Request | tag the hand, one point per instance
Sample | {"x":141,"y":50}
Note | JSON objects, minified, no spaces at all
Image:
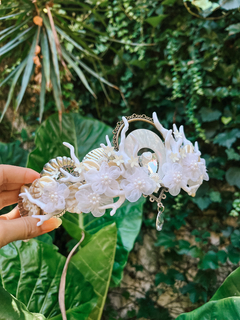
{"x":12,"y":225}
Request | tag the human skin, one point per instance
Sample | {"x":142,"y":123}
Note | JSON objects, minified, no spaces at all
{"x":12,"y":226}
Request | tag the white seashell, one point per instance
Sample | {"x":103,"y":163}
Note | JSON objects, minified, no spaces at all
{"x":97,"y":155}
{"x":90,"y":164}
{"x":146,"y":139}
{"x":52,"y":168}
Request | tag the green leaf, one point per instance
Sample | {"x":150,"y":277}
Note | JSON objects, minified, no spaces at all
{"x":12,"y":309}
{"x":232,"y":155}
{"x":56,"y":90}
{"x":128,"y":219}
{"x":202,"y":202}
{"x":233,"y":176}
{"x":227,"y":138}
{"x":85,"y":134}
{"x":78,"y":71}
{"x":95,"y":261}
{"x":16,"y":41}
{"x":226,"y":120}
{"x":53,"y":49}
{"x":69,"y":39}
{"x":154,"y":21}
{"x":28,"y":70}
{"x":235,"y":238}
{"x":166,"y":240}
{"x":12,"y":153}
{"x":14,"y":81}
{"x":208,"y":114}
{"x":225,"y":304}
{"x":209,"y":261}
{"x":96,"y":75}
{"x":10,"y":16}
{"x":31,"y":272}
{"x":42,"y":96}
{"x":233,"y":29}
{"x":14,"y":29}
{"x":10,"y":75}
{"x":222,"y":256}
{"x":215,"y":196}
{"x":46,"y":57}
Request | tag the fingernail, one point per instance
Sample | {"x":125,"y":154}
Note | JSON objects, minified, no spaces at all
{"x":3,"y":218}
{"x":51,"y":224}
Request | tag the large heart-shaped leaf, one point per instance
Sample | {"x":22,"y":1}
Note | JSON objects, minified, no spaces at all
{"x":31,"y":272}
{"x":12,"y":153}
{"x":128,"y":220}
{"x":12,"y":309}
{"x":225,"y":304}
{"x":85,"y":134}
{"x":95,"y":260}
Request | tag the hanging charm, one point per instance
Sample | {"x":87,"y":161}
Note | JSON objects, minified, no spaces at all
{"x":160,"y":218}
{"x":138,"y":164}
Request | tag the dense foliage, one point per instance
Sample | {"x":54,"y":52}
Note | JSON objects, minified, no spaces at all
{"x":188,"y":71}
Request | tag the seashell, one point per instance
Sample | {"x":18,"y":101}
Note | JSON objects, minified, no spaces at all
{"x":60,"y":214}
{"x":52,"y":168}
{"x":147,"y":140}
{"x":97,"y":155}
{"x":111,"y":163}
{"x":22,"y":206}
{"x":35,"y":189}
{"x":89,"y":164}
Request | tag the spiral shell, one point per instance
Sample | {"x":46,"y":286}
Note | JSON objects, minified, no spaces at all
{"x":52,"y":167}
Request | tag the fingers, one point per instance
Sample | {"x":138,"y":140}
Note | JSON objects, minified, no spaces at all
{"x":25,"y":228}
{"x":8,"y":197}
{"x":10,"y":186}
{"x":14,"y":214}
{"x":17,"y":175}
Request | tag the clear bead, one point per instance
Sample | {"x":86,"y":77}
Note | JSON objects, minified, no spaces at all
{"x":159,"y":221}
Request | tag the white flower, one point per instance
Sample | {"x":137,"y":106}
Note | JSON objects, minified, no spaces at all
{"x":133,"y":162}
{"x":118,"y":160}
{"x":109,"y":151}
{"x":195,"y":167}
{"x":174,"y":157}
{"x":174,"y":177}
{"x":104,"y":180}
{"x":53,"y":197}
{"x":137,"y":182}
{"x":90,"y":201}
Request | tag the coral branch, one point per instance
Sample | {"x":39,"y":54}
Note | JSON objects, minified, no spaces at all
{"x":72,"y":153}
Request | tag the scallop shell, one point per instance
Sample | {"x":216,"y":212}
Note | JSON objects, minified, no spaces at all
{"x":89,"y":164}
{"x":53,"y":165}
{"x":97,"y":155}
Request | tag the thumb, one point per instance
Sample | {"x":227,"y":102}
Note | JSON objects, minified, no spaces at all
{"x":25,"y":228}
